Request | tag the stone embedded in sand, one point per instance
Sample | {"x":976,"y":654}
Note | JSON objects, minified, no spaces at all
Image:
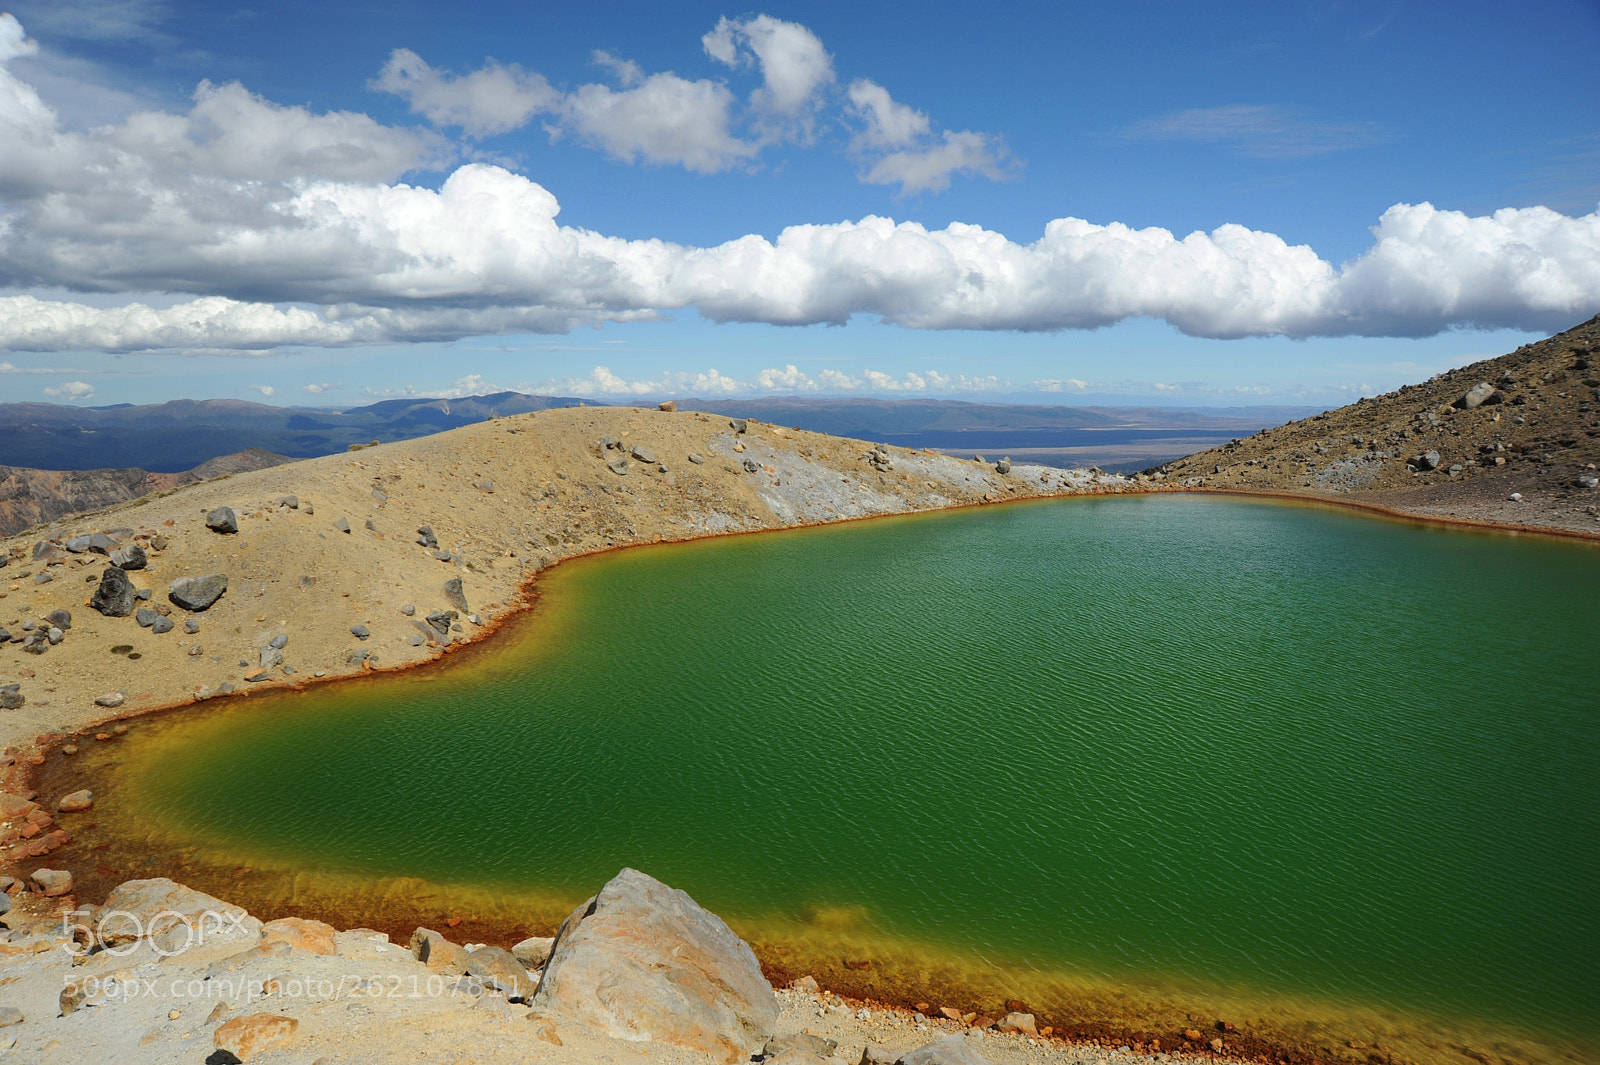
{"x":197,"y":593}
{"x":534,"y":951}
{"x":1476,"y":396}
{"x":114,"y":597}
{"x":52,"y":882}
{"x":11,"y":697}
{"x":805,"y":985}
{"x":301,"y":934}
{"x":343,"y":525}
{"x":500,"y":971}
{"x":222,"y":520}
{"x":668,"y":405}
{"x":145,"y":617}
{"x":440,"y":621}
{"x":455,"y":595}
{"x":15,"y":806}
{"x":951,"y":1050}
{"x":75,"y":802}
{"x":110,"y":700}
{"x":10,"y":1015}
{"x":61,"y":619}
{"x":438,"y":953}
{"x":1019,"y":1024}
{"x":813,"y":1044}
{"x":245,"y":1037}
{"x":170,"y":914}
{"x":643,"y":961}
{"x":547,"y":1030}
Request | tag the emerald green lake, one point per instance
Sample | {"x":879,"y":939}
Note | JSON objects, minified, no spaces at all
{"x":1245,"y":744}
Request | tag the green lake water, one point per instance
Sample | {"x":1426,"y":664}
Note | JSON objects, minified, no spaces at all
{"x":1245,"y":744}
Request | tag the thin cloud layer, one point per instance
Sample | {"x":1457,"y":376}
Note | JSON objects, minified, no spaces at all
{"x":287,"y":227}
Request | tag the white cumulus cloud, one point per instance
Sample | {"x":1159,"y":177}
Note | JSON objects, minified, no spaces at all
{"x":795,"y":68}
{"x":492,"y":99}
{"x":286,"y":227}
{"x":901,"y":147}
{"x":71,"y":390}
{"x":264,"y":390}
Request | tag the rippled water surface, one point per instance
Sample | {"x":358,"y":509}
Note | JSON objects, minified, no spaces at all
{"x":1250,"y":744}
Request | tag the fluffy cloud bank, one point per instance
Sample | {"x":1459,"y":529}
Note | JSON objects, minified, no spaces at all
{"x":288,"y":228}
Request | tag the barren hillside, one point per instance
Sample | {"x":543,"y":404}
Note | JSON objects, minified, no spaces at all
{"x":1513,"y":439}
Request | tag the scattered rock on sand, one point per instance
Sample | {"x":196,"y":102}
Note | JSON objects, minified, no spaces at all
{"x":360,"y":632}
{"x":343,"y":525}
{"x":1019,"y":1024}
{"x":641,"y":959}
{"x":222,"y":520}
{"x":245,"y":1037}
{"x":314,"y":937}
{"x":1428,"y":460}
{"x":668,"y":405}
{"x":130,"y":557}
{"x":455,"y":595}
{"x":76,"y":802}
{"x":1476,"y":396}
{"x":110,"y":699}
{"x":52,"y":883}
{"x":198,"y":593}
{"x":10,"y":1015}
{"x":114,"y":597}
{"x":145,"y":617}
{"x":438,"y":953}
{"x":951,"y":1050}
{"x":11,"y":697}
{"x":500,"y":971}
{"x":440,"y":621}
{"x":61,"y":619}
{"x":534,"y":951}
{"x":160,"y":625}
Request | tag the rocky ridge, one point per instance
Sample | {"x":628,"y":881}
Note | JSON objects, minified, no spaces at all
{"x":1512,"y":440}
{"x":31,"y":497}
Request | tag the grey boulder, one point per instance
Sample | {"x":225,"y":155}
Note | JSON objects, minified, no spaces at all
{"x":197,"y":593}
{"x":115,"y":596}
{"x":643,"y":454}
{"x":222,"y":520}
{"x":1428,"y":460}
{"x":1476,"y":396}
{"x":643,"y":961}
{"x":500,"y":971}
{"x":130,"y":557}
{"x":951,"y":1050}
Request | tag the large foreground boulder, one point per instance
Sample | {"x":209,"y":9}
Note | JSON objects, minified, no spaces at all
{"x":642,"y":961}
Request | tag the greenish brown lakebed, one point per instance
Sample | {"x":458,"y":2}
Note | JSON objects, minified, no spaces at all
{"x":1130,"y":759}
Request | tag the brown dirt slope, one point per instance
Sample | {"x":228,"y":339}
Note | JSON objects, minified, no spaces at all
{"x":1537,"y":435}
{"x":31,"y":497}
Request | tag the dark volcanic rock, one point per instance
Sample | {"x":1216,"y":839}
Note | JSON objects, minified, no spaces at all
{"x":114,"y":597}
{"x":61,"y":619}
{"x":440,"y":621}
{"x":145,"y":617}
{"x":197,"y":593}
{"x":130,"y":557}
{"x":454,"y":595}
{"x":222,"y":520}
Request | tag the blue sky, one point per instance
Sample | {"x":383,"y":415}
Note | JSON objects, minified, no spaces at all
{"x":222,"y":200}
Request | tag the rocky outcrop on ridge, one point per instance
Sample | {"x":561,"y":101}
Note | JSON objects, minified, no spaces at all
{"x":1513,"y":439}
{"x":30,"y":497}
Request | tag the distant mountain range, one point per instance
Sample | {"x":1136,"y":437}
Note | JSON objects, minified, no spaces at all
{"x":177,"y":436}
{"x":60,"y":460}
